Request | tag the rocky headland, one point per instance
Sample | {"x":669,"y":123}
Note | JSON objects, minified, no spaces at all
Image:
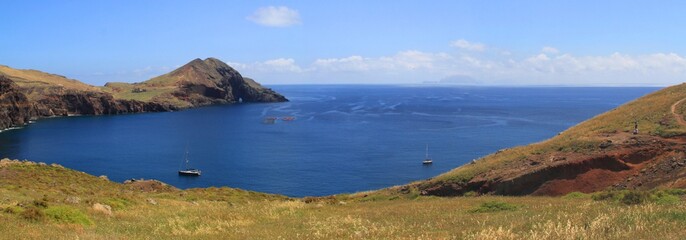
{"x":29,"y":94}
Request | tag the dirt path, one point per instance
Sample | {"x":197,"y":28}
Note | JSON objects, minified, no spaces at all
{"x":678,"y":117}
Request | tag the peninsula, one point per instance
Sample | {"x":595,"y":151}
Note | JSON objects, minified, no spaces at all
{"x":30,"y":94}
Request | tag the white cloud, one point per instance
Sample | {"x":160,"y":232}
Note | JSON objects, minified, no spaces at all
{"x":272,"y":16}
{"x":280,"y":65}
{"x":283,"y":65}
{"x":413,"y":66}
{"x":411,"y":60}
{"x":550,"y":50}
{"x":464,"y":44}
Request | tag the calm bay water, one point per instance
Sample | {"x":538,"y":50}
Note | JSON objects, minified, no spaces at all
{"x":344,"y":138}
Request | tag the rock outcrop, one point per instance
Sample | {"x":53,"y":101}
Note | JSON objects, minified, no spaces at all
{"x":211,"y":81}
{"x":15,"y":108}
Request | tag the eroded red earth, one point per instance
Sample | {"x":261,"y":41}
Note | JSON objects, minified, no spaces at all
{"x":629,"y":162}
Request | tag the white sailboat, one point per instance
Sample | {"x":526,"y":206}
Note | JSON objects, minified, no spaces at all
{"x":187,"y":170}
{"x":427,"y":159}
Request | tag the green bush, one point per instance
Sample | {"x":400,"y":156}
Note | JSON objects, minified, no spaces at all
{"x":675,"y":191}
{"x":665,"y":197}
{"x":13,"y":209}
{"x":634,"y":197}
{"x":118,"y":203}
{"x":470,"y":194}
{"x":494,"y":206}
{"x":678,"y":216}
{"x":67,"y":214}
{"x":575,"y":195}
{"x":601,"y":196}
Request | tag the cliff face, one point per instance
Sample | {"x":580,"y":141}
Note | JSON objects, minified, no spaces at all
{"x":92,"y":103}
{"x":15,"y":109}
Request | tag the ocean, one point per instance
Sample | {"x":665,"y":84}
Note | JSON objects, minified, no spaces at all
{"x":328,"y":139}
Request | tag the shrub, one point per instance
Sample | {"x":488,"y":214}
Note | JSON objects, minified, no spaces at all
{"x":118,"y":203}
{"x":33,"y":214}
{"x":600,"y":196}
{"x":494,"y":206}
{"x":67,"y":214}
{"x":678,"y":216}
{"x":470,"y":194}
{"x":575,"y":195}
{"x":675,"y":191}
{"x":40,"y":203}
{"x":664,"y":197}
{"x":13,"y":209}
{"x":634,"y":197}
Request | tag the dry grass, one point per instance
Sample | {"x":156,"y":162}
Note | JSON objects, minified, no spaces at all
{"x":126,"y":91}
{"x":224,"y":213}
{"x":26,"y":78}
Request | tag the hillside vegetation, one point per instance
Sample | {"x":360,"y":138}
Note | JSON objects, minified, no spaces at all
{"x":583,"y":154}
{"x":49,"y":201}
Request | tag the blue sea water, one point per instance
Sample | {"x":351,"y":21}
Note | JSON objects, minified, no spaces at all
{"x":345,"y":138}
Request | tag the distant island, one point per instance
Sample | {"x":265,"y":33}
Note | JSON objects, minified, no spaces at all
{"x":30,"y":94}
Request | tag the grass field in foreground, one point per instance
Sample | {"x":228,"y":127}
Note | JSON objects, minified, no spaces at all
{"x":40,"y":201}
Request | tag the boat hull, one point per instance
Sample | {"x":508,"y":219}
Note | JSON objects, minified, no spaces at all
{"x":189,"y":173}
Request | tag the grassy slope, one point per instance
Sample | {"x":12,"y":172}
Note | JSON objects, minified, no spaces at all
{"x":158,"y":89}
{"x":26,"y":77}
{"x":649,"y":110}
{"x":40,"y":82}
{"x":235,"y":214}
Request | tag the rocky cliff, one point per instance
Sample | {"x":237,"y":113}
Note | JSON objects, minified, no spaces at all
{"x":92,"y":103}
{"x":15,"y":109}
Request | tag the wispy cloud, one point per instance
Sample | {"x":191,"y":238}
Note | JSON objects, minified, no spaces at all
{"x":464,"y":44}
{"x":272,"y":16}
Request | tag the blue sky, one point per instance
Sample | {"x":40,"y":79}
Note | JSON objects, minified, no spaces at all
{"x":283,"y":42}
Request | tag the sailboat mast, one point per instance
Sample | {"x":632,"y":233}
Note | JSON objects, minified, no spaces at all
{"x":427,"y":151}
{"x":186,"y":159}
